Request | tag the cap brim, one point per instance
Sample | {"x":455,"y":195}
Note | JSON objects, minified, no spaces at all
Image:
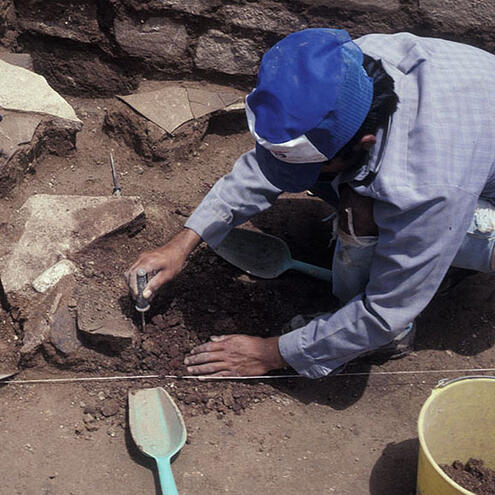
{"x":289,"y":177}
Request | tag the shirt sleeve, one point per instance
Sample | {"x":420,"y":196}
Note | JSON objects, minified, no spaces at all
{"x":417,"y":242}
{"x":233,"y":200}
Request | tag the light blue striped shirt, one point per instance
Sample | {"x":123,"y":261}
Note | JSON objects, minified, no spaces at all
{"x":425,"y":173}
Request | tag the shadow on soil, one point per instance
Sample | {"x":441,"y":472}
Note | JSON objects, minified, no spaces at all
{"x":460,"y":320}
{"x":336,"y":391}
{"x":395,"y":471}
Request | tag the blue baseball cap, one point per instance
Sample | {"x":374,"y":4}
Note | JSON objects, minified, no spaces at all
{"x":311,"y":97}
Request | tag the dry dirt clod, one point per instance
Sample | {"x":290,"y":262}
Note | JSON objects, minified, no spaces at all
{"x":110,"y":408}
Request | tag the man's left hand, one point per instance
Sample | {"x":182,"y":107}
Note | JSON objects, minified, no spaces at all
{"x":235,"y":355}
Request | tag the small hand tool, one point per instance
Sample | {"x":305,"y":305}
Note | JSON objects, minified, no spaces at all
{"x":158,"y":429}
{"x":117,"y":191}
{"x":142,"y":304}
{"x":264,"y":255}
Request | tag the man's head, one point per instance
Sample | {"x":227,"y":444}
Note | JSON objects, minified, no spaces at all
{"x":312,"y":97}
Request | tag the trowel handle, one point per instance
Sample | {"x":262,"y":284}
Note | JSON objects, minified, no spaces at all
{"x":167,"y":481}
{"x":312,"y":270}
{"x":142,"y":304}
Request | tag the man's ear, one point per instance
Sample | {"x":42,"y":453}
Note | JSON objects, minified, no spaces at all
{"x":367,"y":141}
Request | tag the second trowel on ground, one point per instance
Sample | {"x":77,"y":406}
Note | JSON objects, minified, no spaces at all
{"x":158,"y":429}
{"x":264,"y":255}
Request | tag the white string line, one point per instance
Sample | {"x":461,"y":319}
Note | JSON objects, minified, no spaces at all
{"x":211,"y":378}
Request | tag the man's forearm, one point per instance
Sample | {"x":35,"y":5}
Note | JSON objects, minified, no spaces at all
{"x":233,"y":200}
{"x":187,"y":240}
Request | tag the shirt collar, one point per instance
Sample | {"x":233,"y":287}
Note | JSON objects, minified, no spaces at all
{"x":366,"y":172}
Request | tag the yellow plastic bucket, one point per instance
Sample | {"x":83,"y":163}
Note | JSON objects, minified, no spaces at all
{"x":455,"y":423}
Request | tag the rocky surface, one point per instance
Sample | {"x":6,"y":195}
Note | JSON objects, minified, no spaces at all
{"x":20,"y":59}
{"x":111,"y":44}
{"x":217,"y":51}
{"x":148,"y":139}
{"x":156,"y":40}
{"x":35,"y":120}
{"x":8,"y":21}
{"x":115,"y":333}
{"x":461,"y":15}
{"x":50,"y":277}
{"x":58,"y":226}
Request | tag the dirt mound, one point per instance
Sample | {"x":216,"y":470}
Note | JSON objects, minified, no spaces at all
{"x":473,"y":476}
{"x":209,"y":297}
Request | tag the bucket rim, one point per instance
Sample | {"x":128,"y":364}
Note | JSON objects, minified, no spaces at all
{"x":442,"y":386}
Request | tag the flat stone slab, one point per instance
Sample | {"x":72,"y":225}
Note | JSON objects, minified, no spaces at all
{"x":171,"y":106}
{"x":114,"y":331}
{"x":26,"y":91}
{"x":168,"y":107}
{"x":63,"y":332}
{"x":23,"y":60}
{"x":111,"y":334}
{"x":16,"y":129}
{"x":57,"y":226}
{"x":36,"y":332}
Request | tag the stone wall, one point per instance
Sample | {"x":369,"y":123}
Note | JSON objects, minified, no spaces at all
{"x":7,"y":22}
{"x":103,"y":47}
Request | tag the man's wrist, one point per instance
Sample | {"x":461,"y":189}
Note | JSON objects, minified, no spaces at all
{"x":185,"y":241}
{"x":277,"y":361}
{"x":190,"y":239}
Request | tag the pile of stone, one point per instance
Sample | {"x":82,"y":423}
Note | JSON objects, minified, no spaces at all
{"x":35,"y":120}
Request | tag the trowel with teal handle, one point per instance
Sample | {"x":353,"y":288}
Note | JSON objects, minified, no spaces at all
{"x":264,"y":255}
{"x":158,"y":430}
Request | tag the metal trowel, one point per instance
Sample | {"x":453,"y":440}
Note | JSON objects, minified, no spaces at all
{"x":264,"y":255}
{"x":158,"y":430}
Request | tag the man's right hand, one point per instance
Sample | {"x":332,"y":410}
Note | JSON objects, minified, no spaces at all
{"x":162,"y":264}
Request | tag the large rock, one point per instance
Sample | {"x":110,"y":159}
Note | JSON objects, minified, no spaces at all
{"x":36,"y":120}
{"x":157,"y":40}
{"x":87,"y":72}
{"x":37,"y":314}
{"x":167,"y":121}
{"x":8,"y":22}
{"x":148,"y":139}
{"x":469,"y":14}
{"x":58,"y":226}
{"x":356,"y":4}
{"x":16,"y":129}
{"x":25,"y":137}
{"x":172,"y":105}
{"x":219,"y":52}
{"x":25,"y":91}
{"x":113,"y":333}
{"x":197,"y":7}
{"x":276,"y":19}
{"x":69,"y":20}
{"x":47,"y":321}
{"x":63,"y":331}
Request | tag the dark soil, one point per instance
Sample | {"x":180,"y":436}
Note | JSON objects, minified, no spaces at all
{"x":210,"y":297}
{"x":472,"y":476}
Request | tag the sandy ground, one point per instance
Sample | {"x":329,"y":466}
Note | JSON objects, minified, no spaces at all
{"x":344,"y":434}
{"x":289,"y":444}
